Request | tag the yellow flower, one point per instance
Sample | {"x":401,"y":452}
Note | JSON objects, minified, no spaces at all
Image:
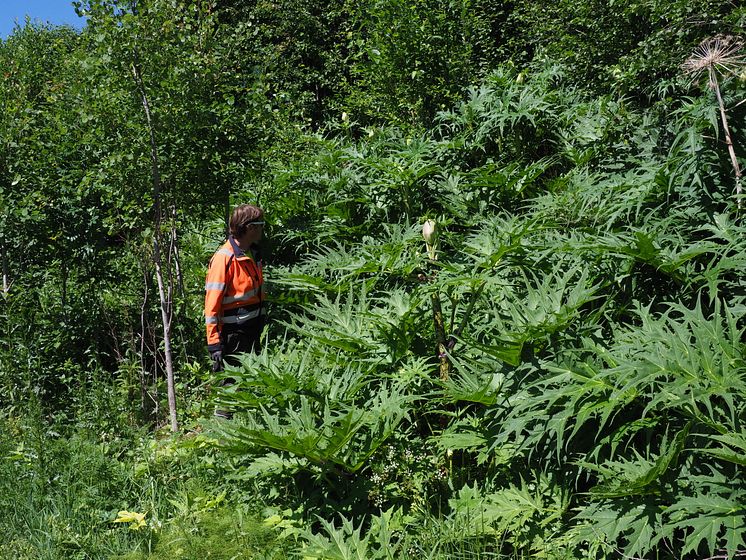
{"x":135,"y":519}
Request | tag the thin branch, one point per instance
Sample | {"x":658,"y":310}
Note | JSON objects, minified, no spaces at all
{"x":143,"y":311}
{"x":157,"y":218}
{"x":738,"y":554}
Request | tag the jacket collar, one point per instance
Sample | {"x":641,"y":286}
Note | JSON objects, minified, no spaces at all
{"x":236,"y":249}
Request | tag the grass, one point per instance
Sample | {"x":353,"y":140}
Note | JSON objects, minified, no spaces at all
{"x":61,"y":491}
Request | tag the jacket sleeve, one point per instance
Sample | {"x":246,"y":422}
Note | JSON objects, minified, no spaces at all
{"x":214,"y":289}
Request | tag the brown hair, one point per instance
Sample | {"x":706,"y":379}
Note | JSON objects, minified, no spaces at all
{"x":242,"y":216}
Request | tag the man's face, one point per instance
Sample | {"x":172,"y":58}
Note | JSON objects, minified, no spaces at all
{"x":254,"y":232}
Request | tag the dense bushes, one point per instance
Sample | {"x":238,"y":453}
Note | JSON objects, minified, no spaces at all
{"x":565,"y":379}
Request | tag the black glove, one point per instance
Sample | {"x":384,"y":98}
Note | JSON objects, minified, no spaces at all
{"x":217,"y":360}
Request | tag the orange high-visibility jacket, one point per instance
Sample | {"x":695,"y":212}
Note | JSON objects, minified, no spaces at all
{"x":233,"y":291}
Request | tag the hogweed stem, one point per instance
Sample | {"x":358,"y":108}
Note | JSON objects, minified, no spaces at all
{"x":430,"y":235}
{"x":719,"y":54}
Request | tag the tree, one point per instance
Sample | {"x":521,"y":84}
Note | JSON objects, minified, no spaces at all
{"x":140,"y":61}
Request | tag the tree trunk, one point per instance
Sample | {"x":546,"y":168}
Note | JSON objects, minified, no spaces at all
{"x":144,"y":395}
{"x":157,"y":216}
{"x":64,"y":273}
{"x":6,"y":274}
{"x":165,"y":317}
{"x":227,"y":211}
{"x":174,"y":252}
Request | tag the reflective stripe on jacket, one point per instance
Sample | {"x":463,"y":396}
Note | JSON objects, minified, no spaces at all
{"x":233,"y":291}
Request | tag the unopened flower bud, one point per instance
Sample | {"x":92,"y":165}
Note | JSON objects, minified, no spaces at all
{"x":428,"y":231}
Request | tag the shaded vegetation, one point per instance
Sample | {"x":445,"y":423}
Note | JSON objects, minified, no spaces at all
{"x":558,"y":373}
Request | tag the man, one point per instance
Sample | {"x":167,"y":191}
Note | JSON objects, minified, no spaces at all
{"x":234,"y":315}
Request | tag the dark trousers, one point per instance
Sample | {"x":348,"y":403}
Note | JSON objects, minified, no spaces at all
{"x":240,"y":339}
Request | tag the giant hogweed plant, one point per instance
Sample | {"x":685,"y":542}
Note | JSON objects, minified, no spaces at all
{"x":389,"y":257}
{"x":351,"y":188}
{"x":479,"y":525}
{"x":493,"y":151}
{"x":720,"y":57}
{"x":577,"y":406}
{"x":307,"y":429}
{"x":506,"y":116}
{"x":567,"y":358}
{"x":649,"y":423}
{"x":722,"y":275}
{"x":369,"y":341}
{"x":314,"y":405}
{"x":590,"y":415}
{"x":323,"y":402}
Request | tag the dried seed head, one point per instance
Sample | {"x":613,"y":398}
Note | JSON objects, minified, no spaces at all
{"x":721,"y":53}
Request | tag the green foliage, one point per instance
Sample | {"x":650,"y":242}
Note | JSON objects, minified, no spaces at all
{"x":58,"y":493}
{"x":63,"y":488}
{"x":523,"y":514}
{"x":315,"y":407}
{"x":295,"y":53}
{"x":585,"y":396}
{"x":408,"y":59}
{"x":631,"y":47}
{"x":202,"y":529}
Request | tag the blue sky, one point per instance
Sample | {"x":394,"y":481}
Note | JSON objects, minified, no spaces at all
{"x":58,"y":12}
